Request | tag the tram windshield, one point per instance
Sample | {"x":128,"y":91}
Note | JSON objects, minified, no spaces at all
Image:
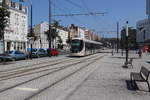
{"x":76,"y":46}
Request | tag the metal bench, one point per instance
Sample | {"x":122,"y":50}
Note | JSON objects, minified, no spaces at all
{"x":142,"y":76}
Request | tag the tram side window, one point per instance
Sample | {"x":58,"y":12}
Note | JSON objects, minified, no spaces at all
{"x":87,"y":46}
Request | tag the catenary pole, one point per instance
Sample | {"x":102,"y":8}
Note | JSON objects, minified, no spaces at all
{"x":49,"y":24}
{"x":117,"y":36}
{"x":127,"y":42}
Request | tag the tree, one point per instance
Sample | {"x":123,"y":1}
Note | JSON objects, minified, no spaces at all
{"x":32,"y":34}
{"x":4,"y":17}
{"x":131,"y":37}
{"x":59,"y":40}
{"x":53,"y":33}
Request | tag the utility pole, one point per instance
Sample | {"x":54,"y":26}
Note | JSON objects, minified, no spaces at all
{"x":30,"y":37}
{"x":122,"y":45}
{"x":49,"y":31}
{"x":117,"y":36}
{"x":126,"y":63}
{"x":31,"y":30}
{"x":49,"y":24}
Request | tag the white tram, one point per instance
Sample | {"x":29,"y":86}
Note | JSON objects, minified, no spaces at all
{"x":83,"y":47}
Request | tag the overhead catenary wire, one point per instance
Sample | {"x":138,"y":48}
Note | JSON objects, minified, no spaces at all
{"x":74,"y":4}
{"x":82,"y":14}
{"x":68,"y":10}
{"x":82,"y":7}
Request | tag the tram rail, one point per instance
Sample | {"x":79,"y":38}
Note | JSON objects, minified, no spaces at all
{"x":52,"y":72}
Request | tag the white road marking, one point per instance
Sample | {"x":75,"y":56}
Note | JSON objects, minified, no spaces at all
{"x":26,"y":89}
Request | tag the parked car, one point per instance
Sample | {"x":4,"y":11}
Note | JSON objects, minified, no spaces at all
{"x":54,"y":52}
{"x":13,"y":55}
{"x":39,"y":53}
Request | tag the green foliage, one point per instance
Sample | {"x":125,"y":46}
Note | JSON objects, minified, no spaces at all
{"x":53,"y":32}
{"x":59,"y":39}
{"x":32,"y":34}
{"x":131,"y":37}
{"x":4,"y":16}
{"x":68,"y":40}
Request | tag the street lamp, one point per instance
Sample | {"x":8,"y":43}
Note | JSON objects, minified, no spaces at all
{"x":127,"y":34}
{"x":49,"y":24}
{"x":117,"y":36}
{"x":112,"y":44}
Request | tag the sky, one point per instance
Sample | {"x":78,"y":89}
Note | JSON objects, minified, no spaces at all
{"x":117,"y":10}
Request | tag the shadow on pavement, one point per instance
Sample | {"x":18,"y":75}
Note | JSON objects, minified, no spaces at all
{"x":130,"y":87}
{"x":148,"y":62}
{"x":125,"y":57}
{"x":6,"y":63}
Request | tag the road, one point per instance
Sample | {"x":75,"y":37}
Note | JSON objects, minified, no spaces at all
{"x":45,"y":78}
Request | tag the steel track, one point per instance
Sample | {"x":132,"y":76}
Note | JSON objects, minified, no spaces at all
{"x":62,"y":68}
{"x":20,"y":73}
{"x":16,"y":68}
{"x":63,"y":78}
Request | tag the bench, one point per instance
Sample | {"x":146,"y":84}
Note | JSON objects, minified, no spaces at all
{"x":142,"y":76}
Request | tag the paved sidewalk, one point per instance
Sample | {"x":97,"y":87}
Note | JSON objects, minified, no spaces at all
{"x":109,"y":81}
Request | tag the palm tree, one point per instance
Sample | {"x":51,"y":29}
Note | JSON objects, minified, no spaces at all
{"x":53,"y":33}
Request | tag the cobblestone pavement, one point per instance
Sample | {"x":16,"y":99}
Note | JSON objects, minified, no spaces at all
{"x":110,"y":80}
{"x":22,"y":91}
{"x":105,"y":79}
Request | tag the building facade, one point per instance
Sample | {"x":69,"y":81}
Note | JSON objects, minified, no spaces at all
{"x":142,"y":31}
{"x":41,"y":41}
{"x":76,"y":31}
{"x":143,"y":26}
{"x":63,"y":33}
{"x":15,"y":35}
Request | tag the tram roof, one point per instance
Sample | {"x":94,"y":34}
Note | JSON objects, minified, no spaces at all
{"x":90,"y":41}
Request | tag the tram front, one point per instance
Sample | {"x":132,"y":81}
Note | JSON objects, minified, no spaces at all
{"x":77,"y":46}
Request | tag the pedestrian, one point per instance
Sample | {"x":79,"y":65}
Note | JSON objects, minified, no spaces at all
{"x":140,"y":53}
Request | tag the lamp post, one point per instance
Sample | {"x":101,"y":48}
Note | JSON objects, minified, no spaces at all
{"x":50,"y":24}
{"x":117,"y":36}
{"x":122,"y":45}
{"x":112,"y":52}
{"x":127,"y":33}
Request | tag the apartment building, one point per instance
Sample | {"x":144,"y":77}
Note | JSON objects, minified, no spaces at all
{"x":15,"y":35}
{"x":42,"y":41}
{"x":39,"y":31}
{"x":63,"y":32}
{"x":143,"y":27}
{"x":142,"y":32}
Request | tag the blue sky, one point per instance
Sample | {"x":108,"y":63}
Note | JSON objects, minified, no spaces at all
{"x":118,"y":10}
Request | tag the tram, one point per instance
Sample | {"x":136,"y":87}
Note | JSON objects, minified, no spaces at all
{"x":84,"y":47}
